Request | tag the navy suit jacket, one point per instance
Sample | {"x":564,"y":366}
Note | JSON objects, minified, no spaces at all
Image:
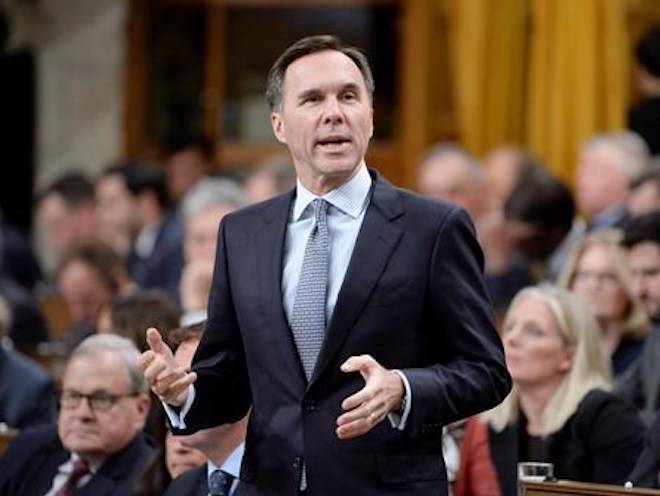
{"x":27,"y":393}
{"x":193,"y":482}
{"x":413,"y":297}
{"x":162,"y":269}
{"x":31,"y":463}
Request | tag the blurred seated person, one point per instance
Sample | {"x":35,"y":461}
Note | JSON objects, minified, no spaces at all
{"x":559,"y":410}
{"x":18,"y":260}
{"x":503,"y":167}
{"x":189,"y":159}
{"x":448,"y":172}
{"x":202,"y":209}
{"x":97,"y":447}
{"x":87,"y":278}
{"x":128,"y":315}
{"x":644,"y":196}
{"x":597,"y":272}
{"x":643,"y":118}
{"x":270,"y":177}
{"x":606,"y":165}
{"x":156,"y":257}
{"x":209,"y":458}
{"x":27,"y":394}
{"x":66,"y":215}
{"x":640,"y":384}
{"x":28,"y":325}
{"x":540,"y":219}
{"x":115,"y":208}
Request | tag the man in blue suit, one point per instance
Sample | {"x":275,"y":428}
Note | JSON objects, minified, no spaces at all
{"x":97,"y":447}
{"x":350,"y":314}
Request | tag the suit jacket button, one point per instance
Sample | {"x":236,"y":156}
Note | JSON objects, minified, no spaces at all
{"x":309,"y":406}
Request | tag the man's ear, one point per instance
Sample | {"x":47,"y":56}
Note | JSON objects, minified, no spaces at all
{"x":278,"y":126}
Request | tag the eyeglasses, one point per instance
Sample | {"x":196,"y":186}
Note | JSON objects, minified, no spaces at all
{"x":70,"y":400}
{"x":602,"y":278}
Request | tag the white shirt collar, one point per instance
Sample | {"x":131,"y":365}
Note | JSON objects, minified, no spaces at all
{"x":350,"y":197}
{"x":232,"y":465}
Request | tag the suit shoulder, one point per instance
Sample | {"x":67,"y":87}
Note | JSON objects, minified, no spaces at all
{"x":187,"y":482}
{"x":261,"y":210}
{"x":24,"y":368}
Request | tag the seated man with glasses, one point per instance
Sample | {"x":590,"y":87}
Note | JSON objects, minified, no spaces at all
{"x":97,"y":447}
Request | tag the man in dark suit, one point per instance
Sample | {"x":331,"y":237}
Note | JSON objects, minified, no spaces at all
{"x":27,"y":393}
{"x":97,"y":448}
{"x":222,"y":445}
{"x":350,"y":314}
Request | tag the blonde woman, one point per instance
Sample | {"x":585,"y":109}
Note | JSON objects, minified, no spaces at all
{"x":559,"y":410}
{"x":598,"y":273}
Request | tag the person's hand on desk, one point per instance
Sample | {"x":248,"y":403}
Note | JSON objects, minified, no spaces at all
{"x":381,"y":395}
{"x":167,"y":379}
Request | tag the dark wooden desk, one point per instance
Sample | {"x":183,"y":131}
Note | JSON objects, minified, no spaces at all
{"x":570,"y":488}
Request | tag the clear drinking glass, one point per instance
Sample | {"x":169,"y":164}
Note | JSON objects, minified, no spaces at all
{"x":533,"y":472}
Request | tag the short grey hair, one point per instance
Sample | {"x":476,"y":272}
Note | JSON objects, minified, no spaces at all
{"x":628,"y":151}
{"x":451,"y":150}
{"x":212,"y":191}
{"x":124,"y":348}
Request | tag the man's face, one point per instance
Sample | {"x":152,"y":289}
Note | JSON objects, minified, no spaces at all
{"x":644,"y":261}
{"x":115,"y":208}
{"x":92,"y":433}
{"x":326,"y":119}
{"x":599,"y":183}
{"x":644,"y":199}
{"x":57,"y":221}
{"x":201,"y":233}
{"x":184,"y":169}
{"x":83,"y":291}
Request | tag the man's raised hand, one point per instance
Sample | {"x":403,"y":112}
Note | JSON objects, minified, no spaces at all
{"x":167,"y":379}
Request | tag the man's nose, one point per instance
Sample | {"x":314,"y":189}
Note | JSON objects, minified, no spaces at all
{"x":332,"y":113}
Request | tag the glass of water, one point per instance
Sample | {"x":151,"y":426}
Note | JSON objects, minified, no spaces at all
{"x":533,"y":472}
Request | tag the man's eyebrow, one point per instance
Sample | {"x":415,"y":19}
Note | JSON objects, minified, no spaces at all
{"x":308,"y":93}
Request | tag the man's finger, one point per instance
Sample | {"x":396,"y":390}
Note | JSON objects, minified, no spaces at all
{"x":366,"y":411}
{"x":358,"y":427}
{"x":176,"y":394}
{"x":363,"y":395}
{"x":154,"y":369}
{"x":361,"y":363}
{"x":145,"y":359}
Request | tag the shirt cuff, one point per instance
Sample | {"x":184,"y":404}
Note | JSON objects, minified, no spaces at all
{"x":398,"y":421}
{"x":177,"y":418}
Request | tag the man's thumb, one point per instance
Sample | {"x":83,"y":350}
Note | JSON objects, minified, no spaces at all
{"x":155,"y":341}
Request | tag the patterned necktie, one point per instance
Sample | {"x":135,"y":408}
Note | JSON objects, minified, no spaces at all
{"x":220,"y":483}
{"x":80,"y":469}
{"x":308,"y":319}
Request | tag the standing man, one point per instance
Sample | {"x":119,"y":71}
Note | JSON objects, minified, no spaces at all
{"x":350,"y":314}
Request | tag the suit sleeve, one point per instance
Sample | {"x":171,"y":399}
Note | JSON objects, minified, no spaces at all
{"x":222,"y":387}
{"x":470,"y":374}
{"x":613,"y":434}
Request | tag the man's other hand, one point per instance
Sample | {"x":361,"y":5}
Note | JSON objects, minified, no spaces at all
{"x":382,"y":394}
{"x":167,"y":379}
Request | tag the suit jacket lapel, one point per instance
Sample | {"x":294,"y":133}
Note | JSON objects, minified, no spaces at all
{"x":376,"y":241}
{"x":270,"y":259}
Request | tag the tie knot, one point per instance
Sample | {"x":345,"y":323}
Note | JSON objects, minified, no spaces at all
{"x":320,"y":210}
{"x":220,"y":483}
{"x":80,"y":468}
